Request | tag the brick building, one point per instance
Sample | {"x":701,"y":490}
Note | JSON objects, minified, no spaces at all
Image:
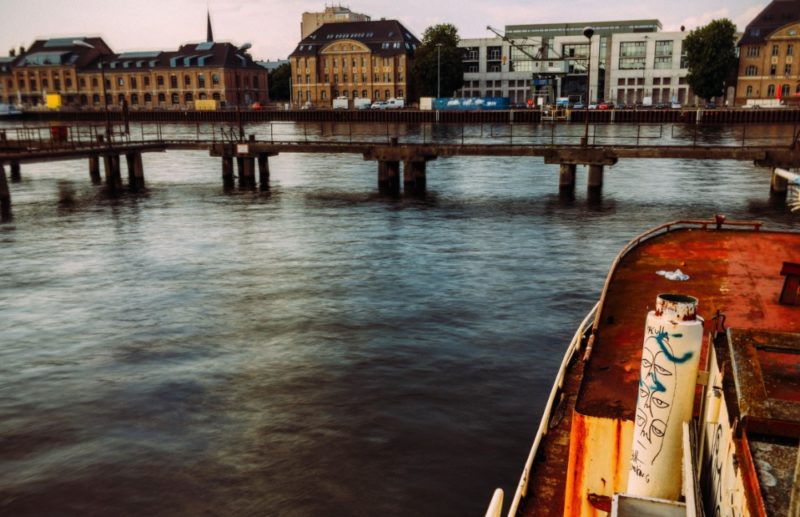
{"x":769,"y":68}
{"x":74,"y":68}
{"x":353,"y":59}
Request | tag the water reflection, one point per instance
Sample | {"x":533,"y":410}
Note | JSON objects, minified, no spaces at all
{"x":317,"y":348}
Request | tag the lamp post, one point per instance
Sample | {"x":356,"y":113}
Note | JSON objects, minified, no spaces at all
{"x":438,"y":69}
{"x":86,"y":44}
{"x":588,"y":32}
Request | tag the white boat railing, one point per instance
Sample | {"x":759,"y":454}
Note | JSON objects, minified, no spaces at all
{"x":574,"y":346}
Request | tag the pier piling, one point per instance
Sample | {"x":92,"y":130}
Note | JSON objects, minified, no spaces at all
{"x":94,"y":170}
{"x":113,"y":178}
{"x":566,"y":179}
{"x":5,"y":196}
{"x":247,"y":177}
{"x":135,"y":171}
{"x":414,"y":177}
{"x":389,"y":177}
{"x":263,"y":171}
{"x":595,"y":178}
{"x":16,"y":177}
{"x":227,"y":171}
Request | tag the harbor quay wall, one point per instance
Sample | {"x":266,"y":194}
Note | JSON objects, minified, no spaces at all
{"x":686,"y":116}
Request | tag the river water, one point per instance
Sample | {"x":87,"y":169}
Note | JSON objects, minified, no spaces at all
{"x":312,"y":350}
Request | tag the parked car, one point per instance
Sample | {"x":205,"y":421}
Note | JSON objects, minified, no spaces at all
{"x":579,"y":106}
{"x":593,"y":106}
{"x":378,"y":105}
{"x":675,"y":105}
{"x":605,"y":105}
{"x":711,"y":105}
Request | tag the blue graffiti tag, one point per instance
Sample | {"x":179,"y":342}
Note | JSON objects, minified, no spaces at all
{"x":660,"y":337}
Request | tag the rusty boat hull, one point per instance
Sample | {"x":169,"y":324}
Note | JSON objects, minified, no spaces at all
{"x":741,"y":445}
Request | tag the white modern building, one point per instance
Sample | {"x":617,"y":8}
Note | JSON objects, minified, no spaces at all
{"x":638,"y":65}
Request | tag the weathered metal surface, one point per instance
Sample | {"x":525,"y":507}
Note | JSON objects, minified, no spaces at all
{"x":766,"y":373}
{"x":722,"y":265}
{"x":599,"y":461}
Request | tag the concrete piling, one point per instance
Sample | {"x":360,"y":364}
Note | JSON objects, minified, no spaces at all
{"x":414,"y":177}
{"x":94,"y":170}
{"x":389,"y":177}
{"x":246,"y":166}
{"x":595,"y":178}
{"x":566,"y":179}
{"x":113,"y":178}
{"x":227,"y":171}
{"x":135,"y":171}
{"x":263,"y":171}
{"x":16,"y":177}
{"x":5,"y":196}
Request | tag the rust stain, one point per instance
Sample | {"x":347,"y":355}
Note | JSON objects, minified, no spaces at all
{"x":575,"y":473}
{"x":600,"y":502}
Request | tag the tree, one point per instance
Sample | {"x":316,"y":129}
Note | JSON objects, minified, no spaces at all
{"x":279,"y":83}
{"x":438,"y":64}
{"x":711,"y":57}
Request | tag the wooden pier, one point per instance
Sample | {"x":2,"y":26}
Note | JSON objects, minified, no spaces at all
{"x":251,"y":155}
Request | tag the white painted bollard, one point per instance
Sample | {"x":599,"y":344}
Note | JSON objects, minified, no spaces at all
{"x":670,"y":360}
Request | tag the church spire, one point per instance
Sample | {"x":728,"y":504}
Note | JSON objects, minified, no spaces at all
{"x":209,"y":34}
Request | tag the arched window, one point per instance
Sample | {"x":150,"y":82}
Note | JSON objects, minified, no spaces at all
{"x":363,"y":93}
{"x":785,"y":90}
{"x":797,"y":90}
{"x":187,"y":97}
{"x":95,"y":99}
{"x":749,"y":91}
{"x":148,"y":98}
{"x":771,"y":91}
{"x":121,"y":98}
{"x":215,"y":96}
{"x":84,"y":100}
{"x":176,"y":99}
{"x":134,"y":99}
{"x":355,"y":93}
{"x":162,"y":98}
{"x":377,"y":94}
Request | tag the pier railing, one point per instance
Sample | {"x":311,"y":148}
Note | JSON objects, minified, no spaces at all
{"x":541,"y":134}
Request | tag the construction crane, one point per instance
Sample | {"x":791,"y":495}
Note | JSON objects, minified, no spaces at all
{"x":543,"y":54}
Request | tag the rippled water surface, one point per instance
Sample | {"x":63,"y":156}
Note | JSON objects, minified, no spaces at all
{"x":312,"y":350}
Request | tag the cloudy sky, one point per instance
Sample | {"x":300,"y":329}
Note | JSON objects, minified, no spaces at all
{"x":273,"y":26}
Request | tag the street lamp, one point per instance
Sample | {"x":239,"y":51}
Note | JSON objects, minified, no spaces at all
{"x":588,"y":32}
{"x":86,"y":44}
{"x":438,"y":69}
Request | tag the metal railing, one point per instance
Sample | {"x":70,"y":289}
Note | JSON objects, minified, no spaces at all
{"x":60,"y":136}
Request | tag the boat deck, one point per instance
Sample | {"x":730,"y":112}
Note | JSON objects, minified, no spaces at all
{"x":729,"y":270}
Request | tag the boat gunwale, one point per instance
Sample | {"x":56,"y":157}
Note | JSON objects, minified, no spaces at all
{"x":719,"y":222}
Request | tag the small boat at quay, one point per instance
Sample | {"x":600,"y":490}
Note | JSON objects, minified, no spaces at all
{"x":679,"y":394}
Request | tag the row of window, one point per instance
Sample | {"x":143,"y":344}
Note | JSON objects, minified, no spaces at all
{"x":335,"y":62}
{"x":386,"y":77}
{"x":752,"y":70}
{"x":785,"y":90}
{"x":776,"y":50}
{"x":133,"y":82}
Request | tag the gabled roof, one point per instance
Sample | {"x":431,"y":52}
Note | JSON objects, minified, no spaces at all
{"x":775,"y":15}
{"x":63,"y":52}
{"x":383,"y":37}
{"x":205,"y":54}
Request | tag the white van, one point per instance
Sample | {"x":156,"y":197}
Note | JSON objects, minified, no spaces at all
{"x":340,"y":103}
{"x":395,"y":103}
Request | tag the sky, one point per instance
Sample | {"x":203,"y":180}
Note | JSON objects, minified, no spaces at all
{"x":273,"y":26}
